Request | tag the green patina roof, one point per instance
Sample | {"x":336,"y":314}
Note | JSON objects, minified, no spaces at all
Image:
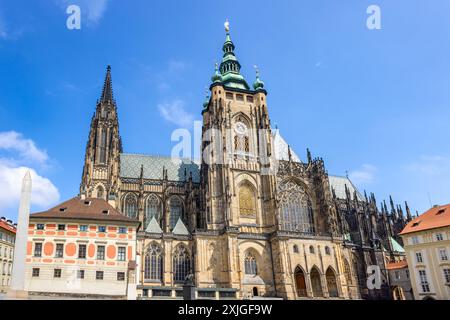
{"x":130,"y":167}
{"x":230,"y":67}
{"x":396,"y":246}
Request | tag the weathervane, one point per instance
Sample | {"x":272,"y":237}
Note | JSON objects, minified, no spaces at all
{"x":227,"y":25}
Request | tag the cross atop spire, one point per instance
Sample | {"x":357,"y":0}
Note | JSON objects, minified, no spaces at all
{"x":107,"y":92}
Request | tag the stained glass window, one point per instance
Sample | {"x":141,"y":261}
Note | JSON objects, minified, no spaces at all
{"x":295,"y":208}
{"x":181,"y":264}
{"x":153,"y":263}
{"x":176,"y":211}
{"x":130,"y":207}
{"x":153,"y":209}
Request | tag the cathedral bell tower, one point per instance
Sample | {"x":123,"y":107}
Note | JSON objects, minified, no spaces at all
{"x":101,"y":164}
{"x":236,"y":147}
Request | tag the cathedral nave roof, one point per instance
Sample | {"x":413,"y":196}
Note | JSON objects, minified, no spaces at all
{"x":130,"y":167}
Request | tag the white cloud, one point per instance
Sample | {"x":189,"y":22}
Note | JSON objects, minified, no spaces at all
{"x":363,"y":176}
{"x":43,"y":194}
{"x":175,"y":112}
{"x":26,"y":148}
{"x":430,"y":166}
{"x":92,"y":10}
{"x":17,"y":156}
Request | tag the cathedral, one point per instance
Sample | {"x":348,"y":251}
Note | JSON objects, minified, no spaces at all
{"x":250,"y":218}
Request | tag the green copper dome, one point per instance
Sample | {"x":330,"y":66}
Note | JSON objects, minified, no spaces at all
{"x":217,"y":77}
{"x":258,"y":84}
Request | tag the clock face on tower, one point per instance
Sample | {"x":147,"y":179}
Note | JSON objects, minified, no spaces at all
{"x":240,"y":128}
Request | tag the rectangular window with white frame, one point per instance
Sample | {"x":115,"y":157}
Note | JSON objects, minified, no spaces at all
{"x":439,"y":237}
{"x":38,"y":249}
{"x":419,"y":257}
{"x":447,"y":276}
{"x":424,"y":281}
{"x":121,"y":253}
{"x":443,"y":254}
{"x":59,"y":253}
{"x":82,"y":251}
{"x":100,"y":252}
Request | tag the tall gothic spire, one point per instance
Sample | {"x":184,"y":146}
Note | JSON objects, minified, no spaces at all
{"x":107,"y":92}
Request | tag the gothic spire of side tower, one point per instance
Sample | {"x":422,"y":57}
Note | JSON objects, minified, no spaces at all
{"x":101,"y":164}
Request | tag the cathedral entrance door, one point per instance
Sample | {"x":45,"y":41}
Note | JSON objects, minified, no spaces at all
{"x":331,"y":284}
{"x":316,"y":283}
{"x":300,"y":282}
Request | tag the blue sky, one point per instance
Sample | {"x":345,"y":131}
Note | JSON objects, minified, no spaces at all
{"x":374,"y":103}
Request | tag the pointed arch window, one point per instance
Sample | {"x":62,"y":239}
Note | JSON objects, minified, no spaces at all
{"x":241,"y":135}
{"x":103,"y":146}
{"x":153,"y":209}
{"x":250,"y":264}
{"x":181,"y":264}
{"x":241,"y":144}
{"x":100,"y":192}
{"x":176,"y":211}
{"x":130,"y":206}
{"x":247,"y":204}
{"x":153,"y":263}
{"x":296,"y":212}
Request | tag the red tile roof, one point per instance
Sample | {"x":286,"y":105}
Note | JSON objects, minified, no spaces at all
{"x":436,"y":217}
{"x":89,"y":209}
{"x":397,"y":265}
{"x":6,"y":226}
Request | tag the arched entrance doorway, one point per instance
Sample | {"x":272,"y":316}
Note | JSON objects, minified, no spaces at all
{"x":397,"y":293}
{"x":331,"y":283}
{"x":300,"y":282}
{"x":316,"y":283}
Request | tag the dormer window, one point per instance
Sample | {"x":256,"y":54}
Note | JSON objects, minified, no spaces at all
{"x":63,"y":209}
{"x":106,"y":212}
{"x":87,"y":203}
{"x":415,"y":224}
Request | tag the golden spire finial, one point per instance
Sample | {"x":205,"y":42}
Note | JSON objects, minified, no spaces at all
{"x":227,"y":25}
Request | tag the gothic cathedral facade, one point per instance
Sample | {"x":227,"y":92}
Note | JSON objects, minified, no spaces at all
{"x":249,"y":219}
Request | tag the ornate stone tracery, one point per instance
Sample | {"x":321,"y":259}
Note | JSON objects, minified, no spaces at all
{"x":296,"y":213}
